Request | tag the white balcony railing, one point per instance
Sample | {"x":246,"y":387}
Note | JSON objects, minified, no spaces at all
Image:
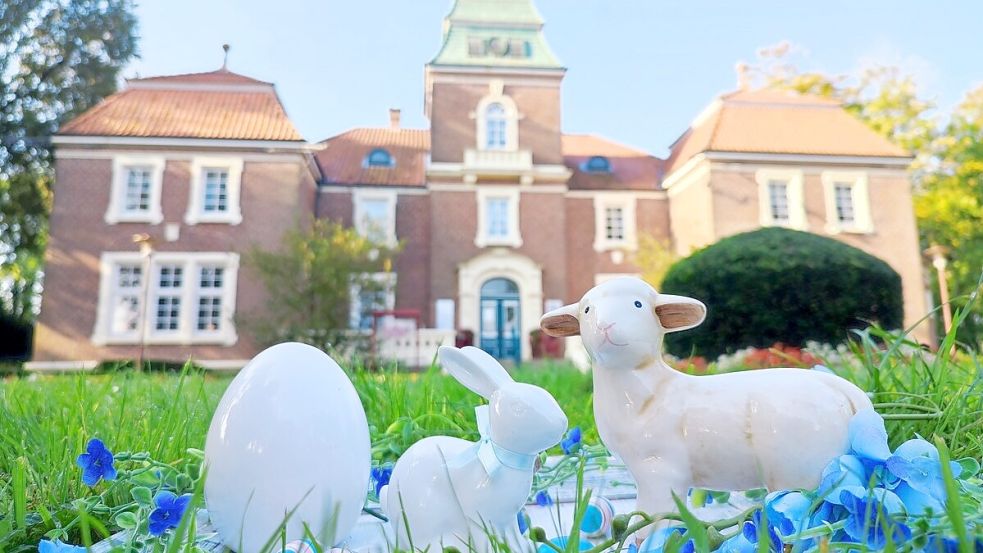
{"x":497,"y":160}
{"x":415,"y":348}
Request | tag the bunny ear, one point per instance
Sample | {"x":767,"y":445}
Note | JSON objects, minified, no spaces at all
{"x":476,"y":370}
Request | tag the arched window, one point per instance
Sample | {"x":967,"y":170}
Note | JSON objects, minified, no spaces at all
{"x":496,"y":127}
{"x":597,"y":164}
{"x":379,"y":157}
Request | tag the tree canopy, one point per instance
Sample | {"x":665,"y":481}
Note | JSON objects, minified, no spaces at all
{"x":310,"y":280}
{"x":57,"y":59}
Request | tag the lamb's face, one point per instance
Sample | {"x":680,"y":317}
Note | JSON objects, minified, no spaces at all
{"x":622,"y":321}
{"x":618,"y":323}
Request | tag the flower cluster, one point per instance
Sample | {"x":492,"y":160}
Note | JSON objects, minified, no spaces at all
{"x":868,"y":496}
{"x":154,"y":508}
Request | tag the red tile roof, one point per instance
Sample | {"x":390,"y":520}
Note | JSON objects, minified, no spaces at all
{"x":779,"y":121}
{"x":631,"y":169}
{"x":342,"y":161}
{"x":216,"y":105}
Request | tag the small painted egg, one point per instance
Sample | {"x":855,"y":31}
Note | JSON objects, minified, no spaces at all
{"x":597,"y":518}
{"x":288,"y":441}
{"x":561,"y":542}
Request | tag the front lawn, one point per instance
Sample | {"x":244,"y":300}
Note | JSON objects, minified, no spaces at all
{"x":45,"y":420}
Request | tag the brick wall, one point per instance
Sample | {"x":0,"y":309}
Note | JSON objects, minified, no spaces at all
{"x":453,"y":125}
{"x":275,"y":196}
{"x":584,"y":263}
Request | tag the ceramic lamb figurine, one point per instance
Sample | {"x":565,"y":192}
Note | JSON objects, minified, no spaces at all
{"x":775,"y":428}
{"x":452,"y":492}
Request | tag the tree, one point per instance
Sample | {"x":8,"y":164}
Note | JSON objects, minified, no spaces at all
{"x":950,"y":206}
{"x":57,"y":59}
{"x":309,"y":282}
{"x":780,"y":285}
{"x":654,"y":257}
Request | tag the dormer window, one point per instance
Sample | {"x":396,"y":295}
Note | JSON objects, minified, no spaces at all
{"x":597,"y":164}
{"x":496,"y":126}
{"x":379,"y":157}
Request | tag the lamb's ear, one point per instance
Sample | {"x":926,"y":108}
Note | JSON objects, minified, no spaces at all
{"x":476,"y":370}
{"x":561,"y":321}
{"x":679,"y":312}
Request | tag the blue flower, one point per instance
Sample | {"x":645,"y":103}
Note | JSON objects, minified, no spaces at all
{"x":571,"y":442}
{"x":737,"y":544}
{"x":941,"y":544}
{"x":381,"y":476}
{"x":170,"y":509}
{"x":788,"y":512}
{"x":751,"y":529}
{"x":916,"y":464}
{"x":657,"y":540}
{"x":57,"y":546}
{"x":841,"y":472}
{"x":870,"y":516}
{"x":96,"y":463}
{"x":522,"y":518}
{"x":543,"y":499}
{"x":868,"y":438}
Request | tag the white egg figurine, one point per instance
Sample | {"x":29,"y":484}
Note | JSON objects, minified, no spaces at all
{"x":289,"y":435}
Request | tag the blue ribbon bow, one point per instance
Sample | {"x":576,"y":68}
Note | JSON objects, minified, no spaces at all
{"x":494,"y":456}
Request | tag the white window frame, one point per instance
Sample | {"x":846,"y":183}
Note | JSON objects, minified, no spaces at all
{"x":388,"y":196}
{"x":860,"y":194}
{"x":511,"y":122}
{"x":187,"y":333}
{"x":625,"y":201}
{"x":796,"y":199}
{"x":196,"y":213}
{"x":388,"y":280}
{"x":116,"y":212}
{"x":514,"y":237}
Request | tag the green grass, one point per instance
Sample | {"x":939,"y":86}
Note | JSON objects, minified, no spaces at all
{"x":46,"y":420}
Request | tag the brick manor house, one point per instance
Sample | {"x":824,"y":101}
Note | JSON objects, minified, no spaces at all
{"x":503,"y":215}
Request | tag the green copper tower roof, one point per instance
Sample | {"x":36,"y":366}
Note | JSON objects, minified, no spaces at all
{"x":495,"y":33}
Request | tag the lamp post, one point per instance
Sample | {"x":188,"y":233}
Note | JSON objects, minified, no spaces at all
{"x":146,"y":244}
{"x":937,"y":254}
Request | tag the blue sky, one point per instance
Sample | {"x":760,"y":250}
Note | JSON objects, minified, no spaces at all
{"x":639,"y":70}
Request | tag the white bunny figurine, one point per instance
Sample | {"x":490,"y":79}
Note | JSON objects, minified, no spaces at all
{"x":450,"y":492}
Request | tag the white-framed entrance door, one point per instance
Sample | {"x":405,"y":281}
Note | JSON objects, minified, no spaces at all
{"x":500,"y":299}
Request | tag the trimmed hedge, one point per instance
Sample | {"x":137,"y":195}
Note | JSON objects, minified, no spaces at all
{"x":779,"y":285}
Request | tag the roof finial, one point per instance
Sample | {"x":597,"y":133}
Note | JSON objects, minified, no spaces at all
{"x":225,"y":59}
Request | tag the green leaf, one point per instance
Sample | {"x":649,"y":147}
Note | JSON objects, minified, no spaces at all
{"x":696,"y":529}
{"x":969,"y":467}
{"x":143,"y":496}
{"x":953,"y":505}
{"x":126,"y":520}
{"x":196,"y":453}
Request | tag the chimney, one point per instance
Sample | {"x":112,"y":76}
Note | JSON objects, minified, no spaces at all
{"x":393,"y":118}
{"x":743,"y":76}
